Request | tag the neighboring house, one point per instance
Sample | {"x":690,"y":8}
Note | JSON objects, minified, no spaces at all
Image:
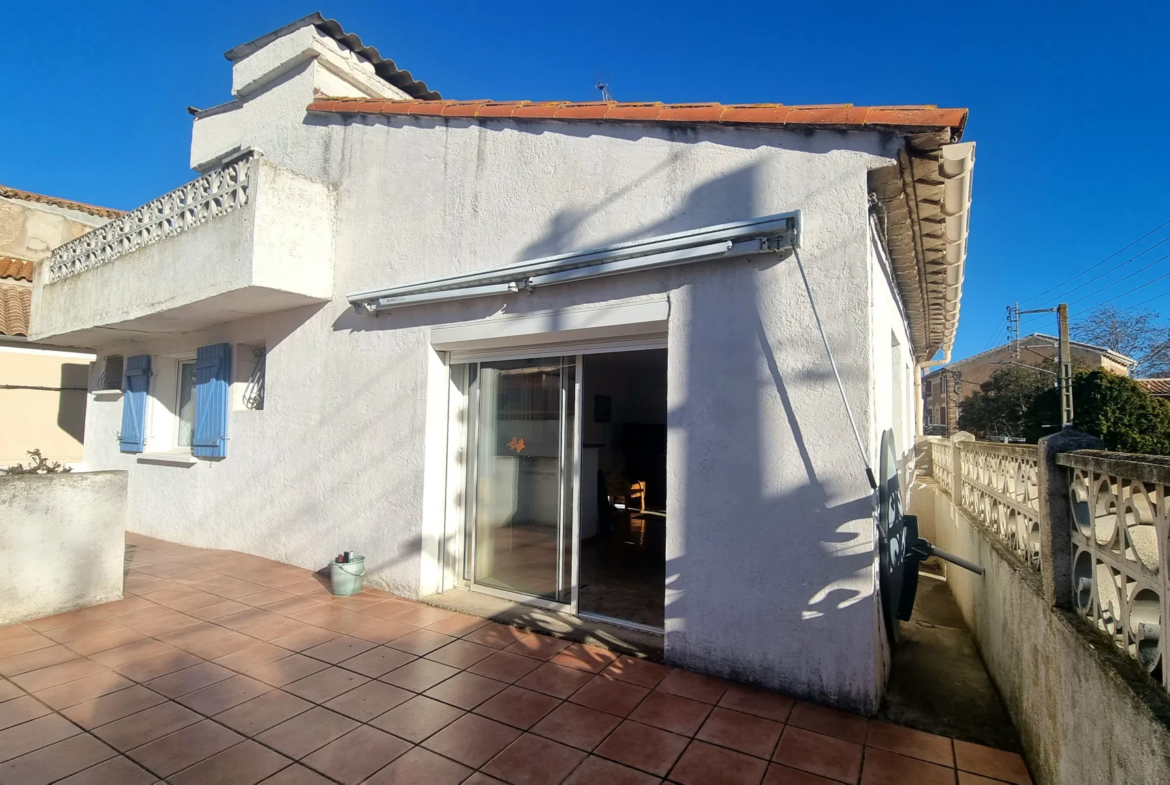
{"x":42,"y":386}
{"x":1159,"y":388}
{"x":944,"y":390}
{"x":559,"y":353}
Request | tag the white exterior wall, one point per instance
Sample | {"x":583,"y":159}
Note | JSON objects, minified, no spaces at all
{"x":770,"y":538}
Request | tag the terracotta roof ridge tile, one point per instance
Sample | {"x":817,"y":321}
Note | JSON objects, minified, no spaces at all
{"x":16,"y":269}
{"x":81,"y":207}
{"x":913,"y":118}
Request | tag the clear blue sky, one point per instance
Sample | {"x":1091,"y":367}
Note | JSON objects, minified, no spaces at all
{"x":1069,"y":100}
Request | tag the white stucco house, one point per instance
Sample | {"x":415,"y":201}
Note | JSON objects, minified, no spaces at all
{"x":558,"y":353}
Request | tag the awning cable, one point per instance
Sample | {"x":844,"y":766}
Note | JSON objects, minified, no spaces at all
{"x":836,"y":374}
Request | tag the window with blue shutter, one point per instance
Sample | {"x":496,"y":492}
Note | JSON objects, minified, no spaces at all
{"x":212,"y":379}
{"x":133,"y":435}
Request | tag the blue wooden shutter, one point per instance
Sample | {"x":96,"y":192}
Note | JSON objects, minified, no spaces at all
{"x":133,"y":436}
{"x":212,"y":379}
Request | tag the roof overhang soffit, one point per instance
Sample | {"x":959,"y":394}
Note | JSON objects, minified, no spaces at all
{"x":924,"y":204}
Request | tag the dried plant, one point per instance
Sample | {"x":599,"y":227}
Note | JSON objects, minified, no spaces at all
{"x":38,"y":464}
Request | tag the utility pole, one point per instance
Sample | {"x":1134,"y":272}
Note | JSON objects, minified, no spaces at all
{"x":1066,"y":396}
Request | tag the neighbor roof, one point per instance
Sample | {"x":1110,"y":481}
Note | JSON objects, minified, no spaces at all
{"x":1037,"y":339}
{"x":17,"y":269}
{"x":28,"y":196}
{"x":15,"y":306}
{"x":911,"y":119}
{"x":385,"y":69}
{"x":1155,"y":386}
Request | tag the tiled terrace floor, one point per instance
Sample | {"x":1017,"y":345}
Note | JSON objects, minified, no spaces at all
{"x":199,"y":676}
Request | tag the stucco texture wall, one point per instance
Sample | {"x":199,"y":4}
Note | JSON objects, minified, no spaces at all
{"x":770,"y":536}
{"x":50,"y":420}
{"x":1082,"y":712}
{"x":63,"y":542}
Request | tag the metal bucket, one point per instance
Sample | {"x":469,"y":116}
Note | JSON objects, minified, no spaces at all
{"x":345,"y":578}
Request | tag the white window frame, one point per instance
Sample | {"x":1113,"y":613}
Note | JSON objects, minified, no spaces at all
{"x":162,"y":434}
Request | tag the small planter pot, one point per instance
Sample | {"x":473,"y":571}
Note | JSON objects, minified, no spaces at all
{"x":345,"y":578}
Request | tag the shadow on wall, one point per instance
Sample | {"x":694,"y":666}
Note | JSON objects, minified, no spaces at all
{"x":72,"y":400}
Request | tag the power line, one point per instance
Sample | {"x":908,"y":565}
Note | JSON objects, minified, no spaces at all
{"x":1131,"y":291}
{"x":1114,"y":269}
{"x":1119,"y":280}
{"x":1098,"y":264}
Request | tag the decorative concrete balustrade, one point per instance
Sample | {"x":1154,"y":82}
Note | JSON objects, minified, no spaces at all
{"x":214,"y":194}
{"x":1097,"y":530}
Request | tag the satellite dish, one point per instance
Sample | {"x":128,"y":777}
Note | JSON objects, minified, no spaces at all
{"x":900,"y":549}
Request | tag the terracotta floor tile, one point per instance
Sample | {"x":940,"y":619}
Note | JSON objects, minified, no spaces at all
{"x":419,"y":675}
{"x":326,"y":685}
{"x":36,"y":660}
{"x":13,"y":631}
{"x":377,"y":661}
{"x":220,"y":645}
{"x":124,"y":605}
{"x":761,"y":703}
{"x":472,"y":740}
{"x":159,"y":665}
{"x":424,"y":617}
{"x":190,"y":602}
{"x":705,"y":763}
{"x":162,"y":625}
{"x":829,"y":721}
{"x":498,"y":636}
{"x":142,"y":614}
{"x":296,"y":775}
{"x":421,"y":767}
{"x":287,"y":670}
{"x":292,"y":606}
{"x":304,"y":638}
{"x":276,"y":627}
{"x":87,"y":647}
{"x":223,"y":695}
{"x":24,"y":644}
{"x":671,"y":712}
{"x":599,"y":771}
{"x":356,"y":755}
{"x":356,"y":602}
{"x":637,"y":671}
{"x":685,"y":684}
{"x":534,"y":760}
{"x":189,"y":679}
{"x":457,"y":625}
{"x":56,"y":761}
{"x":82,"y":690}
{"x":585,"y":658}
{"x":217,"y":610}
{"x":554,"y":680}
{"x":420,"y":642}
{"x":518,"y":707}
{"x":817,"y":753}
{"x":114,"y":706}
{"x":417,"y":718}
{"x":59,"y":620}
{"x":743,"y":732}
{"x":609,"y":695}
{"x":643,"y":747}
{"x":465,"y":690}
{"x":889,"y":768}
{"x":83,"y":629}
{"x":266,"y":597}
{"x":8,"y":690}
{"x":377,"y":630}
{"x":967,"y":778}
{"x":141,"y":649}
{"x":338,"y":649}
{"x":244,"y":764}
{"x":914,"y":743}
{"x":538,"y":647}
{"x":997,"y":764}
{"x":306,"y":733}
{"x":577,"y":726}
{"x":369,"y":700}
{"x":252,"y":657}
{"x":146,"y":726}
{"x":192,"y":633}
{"x":461,"y":654}
{"x":479,"y":778}
{"x":783,"y":775}
{"x":260,"y":714}
{"x":28,"y":736}
{"x":115,"y":771}
{"x":506,"y":667}
{"x":44,"y":678}
{"x":170,"y":754}
{"x":390,"y":609}
{"x":22,"y":709}
{"x":242,"y":620}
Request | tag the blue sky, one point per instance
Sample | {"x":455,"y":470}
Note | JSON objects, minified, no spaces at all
{"x":1069,"y":101}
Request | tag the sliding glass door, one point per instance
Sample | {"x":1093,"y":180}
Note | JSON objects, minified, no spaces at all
{"x":521,"y":478}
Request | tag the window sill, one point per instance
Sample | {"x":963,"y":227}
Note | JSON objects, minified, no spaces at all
{"x":169,"y":458}
{"x":106,"y":394}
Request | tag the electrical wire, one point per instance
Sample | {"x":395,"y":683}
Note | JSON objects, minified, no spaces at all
{"x":1123,"y":278}
{"x":1098,"y":264}
{"x":1131,"y":291}
{"x":1112,"y":270}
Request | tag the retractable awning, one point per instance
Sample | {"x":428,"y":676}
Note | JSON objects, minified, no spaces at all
{"x":770,"y":234}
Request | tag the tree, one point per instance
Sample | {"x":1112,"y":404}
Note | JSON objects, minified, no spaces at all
{"x":999,"y":406}
{"x":1141,"y":335}
{"x":1114,"y":408}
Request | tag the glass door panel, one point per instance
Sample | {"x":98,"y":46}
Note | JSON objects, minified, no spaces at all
{"x":521,"y":431}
